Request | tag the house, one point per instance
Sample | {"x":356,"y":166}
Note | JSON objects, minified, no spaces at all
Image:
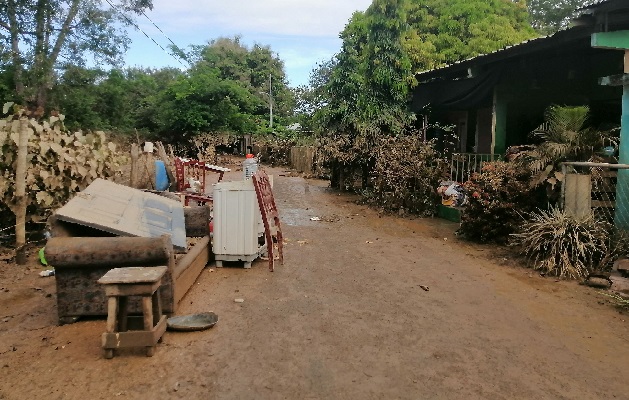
{"x":495,"y":100}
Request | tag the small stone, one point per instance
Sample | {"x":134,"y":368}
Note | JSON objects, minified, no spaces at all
{"x":239,"y":300}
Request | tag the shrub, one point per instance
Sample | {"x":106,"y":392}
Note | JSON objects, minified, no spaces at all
{"x":567,"y":246}
{"x":407,"y":172}
{"x":498,"y":196}
{"x":59,"y":163}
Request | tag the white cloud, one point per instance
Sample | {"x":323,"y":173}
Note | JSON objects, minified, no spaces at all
{"x":320,"y":18}
{"x":302,"y":33}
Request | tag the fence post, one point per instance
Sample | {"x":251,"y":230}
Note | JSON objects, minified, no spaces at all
{"x":20,"y":192}
{"x":562,"y":199}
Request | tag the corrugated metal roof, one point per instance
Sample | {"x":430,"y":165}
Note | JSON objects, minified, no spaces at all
{"x":486,"y":54}
{"x":541,"y":39}
{"x":126,"y":211}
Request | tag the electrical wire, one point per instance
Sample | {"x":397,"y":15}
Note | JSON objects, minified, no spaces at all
{"x":159,"y":29}
{"x":146,"y":34}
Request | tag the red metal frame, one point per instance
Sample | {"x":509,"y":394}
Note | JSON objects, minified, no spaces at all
{"x":196,"y":169}
{"x":270,"y":216}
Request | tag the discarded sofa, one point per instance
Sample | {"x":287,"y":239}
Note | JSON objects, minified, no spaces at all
{"x":109,"y":225}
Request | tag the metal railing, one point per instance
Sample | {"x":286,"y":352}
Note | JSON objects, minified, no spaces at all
{"x":598,"y":188}
{"x":463,"y":165}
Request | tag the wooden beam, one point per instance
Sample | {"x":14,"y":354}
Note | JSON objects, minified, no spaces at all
{"x":618,"y":40}
{"x":614,"y":80}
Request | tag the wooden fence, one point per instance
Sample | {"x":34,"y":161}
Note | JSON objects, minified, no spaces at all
{"x":302,"y":159}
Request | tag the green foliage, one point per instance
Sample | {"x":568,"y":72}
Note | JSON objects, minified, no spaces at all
{"x":443,"y":32}
{"x":407,"y":171}
{"x":368,"y":90}
{"x":549,"y":16}
{"x":60,"y":163}
{"x":567,"y":246}
{"x":567,"y":138}
{"x":42,"y":33}
{"x":498,"y":196}
{"x":120,"y":100}
{"x":227,"y":90}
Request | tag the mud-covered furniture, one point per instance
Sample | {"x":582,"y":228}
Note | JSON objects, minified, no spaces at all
{"x":79,"y":262}
{"x":121,"y":284}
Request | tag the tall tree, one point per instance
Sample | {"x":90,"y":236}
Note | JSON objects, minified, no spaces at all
{"x":40,"y":35}
{"x":369,"y":87}
{"x":443,"y":32}
{"x":549,"y":16}
{"x":227,"y":90}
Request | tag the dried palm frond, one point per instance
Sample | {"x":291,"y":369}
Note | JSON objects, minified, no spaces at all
{"x":564,"y":245}
{"x":618,"y":300}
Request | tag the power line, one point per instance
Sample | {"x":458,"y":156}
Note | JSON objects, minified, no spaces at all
{"x":159,"y":29}
{"x":130,"y":21}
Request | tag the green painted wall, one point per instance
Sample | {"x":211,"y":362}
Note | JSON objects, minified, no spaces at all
{"x":611,"y":40}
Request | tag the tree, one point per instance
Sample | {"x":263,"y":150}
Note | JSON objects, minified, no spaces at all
{"x":40,"y":35}
{"x":227,"y":90}
{"x":368,"y":92}
{"x":550,"y":16}
{"x":443,"y":32}
{"x":76,"y":95}
{"x":312,"y":97}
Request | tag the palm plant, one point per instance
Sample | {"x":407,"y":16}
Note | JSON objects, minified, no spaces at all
{"x":565,"y":138}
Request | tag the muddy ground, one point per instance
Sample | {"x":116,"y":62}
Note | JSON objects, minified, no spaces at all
{"x":345,"y":317}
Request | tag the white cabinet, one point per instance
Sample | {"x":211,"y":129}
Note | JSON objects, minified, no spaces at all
{"x":237,"y":222}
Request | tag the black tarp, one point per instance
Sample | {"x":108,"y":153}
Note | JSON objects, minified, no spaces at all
{"x":459,"y":94}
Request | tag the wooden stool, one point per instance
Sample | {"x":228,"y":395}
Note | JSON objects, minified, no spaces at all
{"x":120,"y":283}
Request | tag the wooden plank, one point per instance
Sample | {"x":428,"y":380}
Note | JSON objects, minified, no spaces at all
{"x":132,"y":275}
{"x":128,"y":339}
{"x":603,"y":204}
{"x":135,"y":289}
{"x":598,"y":187}
{"x":197,"y":220}
{"x":189,"y":268}
{"x":614,"y":80}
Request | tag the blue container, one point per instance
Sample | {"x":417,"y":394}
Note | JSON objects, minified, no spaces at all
{"x":161,"y":177}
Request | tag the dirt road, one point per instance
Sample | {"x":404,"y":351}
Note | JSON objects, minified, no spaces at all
{"x":346,"y":317}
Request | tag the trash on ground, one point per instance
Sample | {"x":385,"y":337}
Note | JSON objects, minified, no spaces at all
{"x":426,"y":288}
{"x":598,"y":281}
{"x":192,"y":322}
{"x":42,"y":257}
{"x":239,"y":300}
{"x":315,"y":218}
{"x":48,"y":272}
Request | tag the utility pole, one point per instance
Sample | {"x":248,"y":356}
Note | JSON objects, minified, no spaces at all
{"x":270,"y":103}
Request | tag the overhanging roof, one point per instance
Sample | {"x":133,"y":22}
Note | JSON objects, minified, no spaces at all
{"x":601,"y":16}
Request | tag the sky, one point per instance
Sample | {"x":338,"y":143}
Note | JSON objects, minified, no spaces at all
{"x":300,"y":32}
